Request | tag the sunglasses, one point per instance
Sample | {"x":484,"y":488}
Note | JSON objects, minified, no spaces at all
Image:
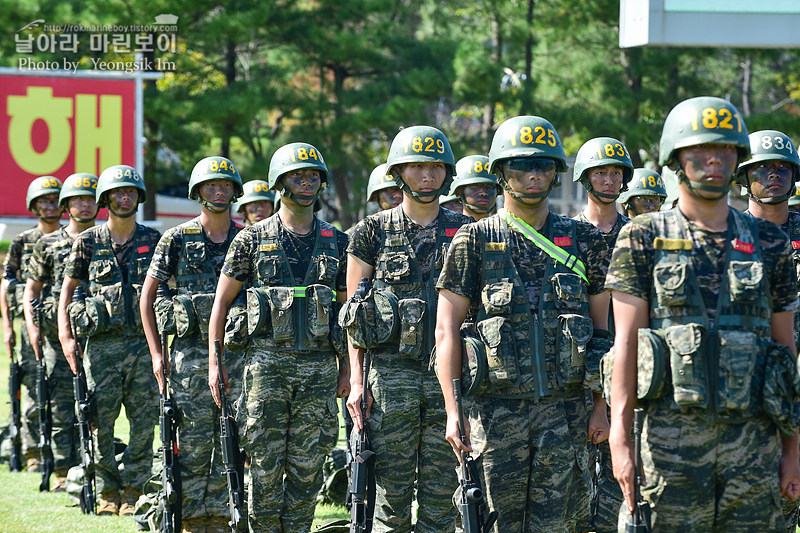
{"x":530,"y":164}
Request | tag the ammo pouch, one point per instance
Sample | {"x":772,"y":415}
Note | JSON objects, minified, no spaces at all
{"x":670,"y":283}
{"x":49,"y":327}
{"x":165,"y":315}
{"x":496,"y":298}
{"x":744,"y":280}
{"x":651,"y":364}
{"x":412,"y":328}
{"x":739,"y":353}
{"x":685,"y":343}
{"x":192,"y":313}
{"x":781,"y":401}
{"x":280,"y":301}
{"x":236,"y":336}
{"x":99,"y":318}
{"x":501,"y":353}
{"x":79,"y":321}
{"x":575,"y":333}
{"x":271,"y":311}
{"x":474,"y":366}
{"x":570,"y":291}
{"x":319,"y":309}
{"x":372,"y":321}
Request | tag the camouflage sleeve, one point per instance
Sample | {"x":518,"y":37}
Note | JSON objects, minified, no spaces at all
{"x":365,"y":240}
{"x":40,"y":264}
{"x":14,"y":255}
{"x":241,"y":256}
{"x":342,"y":242}
{"x":461,"y":270}
{"x":779,"y":261}
{"x":166,"y":256}
{"x":594,"y":254}
{"x":77,"y":266}
{"x":631,"y":269}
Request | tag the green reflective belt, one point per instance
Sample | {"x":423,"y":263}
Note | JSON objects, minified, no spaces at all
{"x":300,"y":292}
{"x":545,"y":244}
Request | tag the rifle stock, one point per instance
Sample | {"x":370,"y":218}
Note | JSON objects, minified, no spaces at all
{"x":640,"y":519}
{"x":43,"y":404}
{"x":88,"y":501}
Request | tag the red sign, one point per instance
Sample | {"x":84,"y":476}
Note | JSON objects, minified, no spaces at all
{"x":745,"y":247}
{"x":58,"y":126}
{"x":563,"y":241}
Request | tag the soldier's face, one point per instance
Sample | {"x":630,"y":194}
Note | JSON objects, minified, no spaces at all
{"x":606,"y":179}
{"x":82,"y":207}
{"x":123,"y":200}
{"x":258,"y":210}
{"x":216,"y":191}
{"x":769,"y":179}
{"x":424,"y":177}
{"x":303,"y":183}
{"x":646,"y":204}
{"x":47,"y":206}
{"x":389,"y":197}
{"x":712,"y":164}
{"x":529,"y":174}
{"x":481,"y":195}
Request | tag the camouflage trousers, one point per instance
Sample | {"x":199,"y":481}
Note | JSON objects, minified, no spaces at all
{"x":64,"y":435}
{"x":407,"y":426}
{"x":119,"y":372}
{"x":533,"y":459}
{"x":30,"y":416}
{"x":709,"y":476}
{"x":289,"y":425}
{"x":203,"y":483}
{"x":790,"y":511}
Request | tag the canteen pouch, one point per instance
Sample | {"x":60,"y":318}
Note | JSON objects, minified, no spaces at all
{"x":185,"y":318}
{"x":236,"y":334}
{"x":280,"y":310}
{"x":78,"y":319}
{"x":570,"y":291}
{"x":203,"y":303}
{"x":97,"y":314}
{"x":319,"y":300}
{"x":496,"y":298}
{"x":412,"y":328}
{"x":498,"y":337}
{"x":670,"y":283}
{"x":354,"y":318}
{"x":686,"y":364}
{"x":738,"y":354}
{"x":651,"y":364}
{"x":781,"y":399}
{"x":165,"y":315}
{"x":474,"y":367}
{"x":576,"y":331}
{"x":257,"y":311}
{"x":744,"y":280}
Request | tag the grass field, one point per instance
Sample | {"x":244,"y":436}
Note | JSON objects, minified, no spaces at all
{"x":23,"y":509}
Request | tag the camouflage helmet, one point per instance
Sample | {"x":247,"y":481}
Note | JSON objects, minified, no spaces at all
{"x":117,"y":177}
{"x":600,"y":152}
{"x":378,"y":181}
{"x":472,"y":170}
{"x":644,"y":183}
{"x":296,"y":156}
{"x":795,"y":198}
{"x":214,"y":168}
{"x":526,"y":136}
{"x":41,"y":186}
{"x":80,"y":184}
{"x":254,"y":191}
{"x":421,"y":144}
{"x":702,"y":120}
{"x":770,"y":145}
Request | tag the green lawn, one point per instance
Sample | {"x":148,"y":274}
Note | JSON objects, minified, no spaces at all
{"x":24,"y":509}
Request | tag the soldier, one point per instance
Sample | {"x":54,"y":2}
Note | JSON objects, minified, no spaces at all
{"x":646,"y":193}
{"x":193,"y":253}
{"x":401,"y":251}
{"x":256,"y":203}
{"x":382,"y":189}
{"x":42,"y":201}
{"x":45,"y":275}
{"x":769,"y":177}
{"x":698,"y":291}
{"x":113,"y":259}
{"x":475,"y":187}
{"x":293,"y":264}
{"x":532,"y":282}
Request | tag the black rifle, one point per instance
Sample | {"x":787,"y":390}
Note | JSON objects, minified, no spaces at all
{"x":43,"y":405}
{"x":348,"y":431}
{"x":88,"y":501}
{"x":475,"y":515}
{"x":14,"y":395}
{"x":640,"y":519}
{"x":168,"y":422}
{"x":232,"y":455}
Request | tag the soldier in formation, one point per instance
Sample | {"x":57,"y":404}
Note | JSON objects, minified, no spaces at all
{"x":475,"y":187}
{"x":646,"y":193}
{"x":256,"y":203}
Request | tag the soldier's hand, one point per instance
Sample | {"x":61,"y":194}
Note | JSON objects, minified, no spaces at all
{"x":624,"y":468}
{"x":598,"y":424}
{"x":790,"y":477}
{"x":158,"y":370}
{"x":68,"y":347}
{"x":453,"y":436}
{"x":8,"y":340}
{"x":213,"y":383}
{"x":354,"y":405}
{"x":343,"y":384}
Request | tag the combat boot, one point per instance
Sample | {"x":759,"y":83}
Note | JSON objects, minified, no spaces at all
{"x":60,"y":483}
{"x":128,"y":501}
{"x":218,"y":524}
{"x":33,"y":463}
{"x":195,"y":525}
{"x":108,"y":503}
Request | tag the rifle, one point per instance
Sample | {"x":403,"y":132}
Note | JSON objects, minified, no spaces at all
{"x":43,"y":405}
{"x":348,"y":431}
{"x":232,"y":456}
{"x":14,"y":381}
{"x":640,"y":519}
{"x":168,"y":421}
{"x":88,"y":501}
{"x":472,"y":505}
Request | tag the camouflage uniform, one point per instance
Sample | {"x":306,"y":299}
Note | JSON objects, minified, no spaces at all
{"x":18,"y":257}
{"x":287,"y":412}
{"x":408,"y":418}
{"x":609,"y":495}
{"x":532,"y":452}
{"x":117,"y":362}
{"x":186,"y":253}
{"x":47,"y":267}
{"x":715,"y":468}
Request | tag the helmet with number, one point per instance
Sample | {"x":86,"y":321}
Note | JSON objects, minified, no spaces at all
{"x":296,"y":156}
{"x":117,"y":177}
{"x":80,"y":184}
{"x":421,"y":144}
{"x":526,"y":136}
{"x":379,"y":180}
{"x":645,"y":182}
{"x":472,"y":170}
{"x":600,"y":152}
{"x":214,"y":168}
{"x":254,"y":191}
{"x":41,"y":186}
{"x":770,"y":145}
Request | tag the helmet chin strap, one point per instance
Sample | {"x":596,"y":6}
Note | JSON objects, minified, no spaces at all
{"x":774,"y":200}
{"x":216,"y":207}
{"x":721,"y":191}
{"x":477,"y":208}
{"x":296,"y":197}
{"x":123,"y":215}
{"x":521,"y":197}
{"x":82,"y":220}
